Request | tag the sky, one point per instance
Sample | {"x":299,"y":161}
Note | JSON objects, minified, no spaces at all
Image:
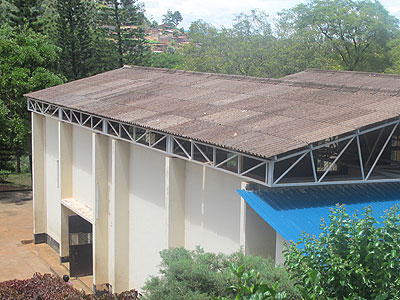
{"x":222,"y":12}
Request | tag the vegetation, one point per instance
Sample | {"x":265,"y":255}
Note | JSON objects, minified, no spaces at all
{"x":51,"y":287}
{"x":73,"y":36}
{"x":199,"y":275}
{"x":248,"y":286}
{"x":172,"y":18}
{"x":355,"y":257}
{"x":28,"y":62}
{"x":336,"y":34}
{"x":4,"y":175}
{"x":123,"y":22}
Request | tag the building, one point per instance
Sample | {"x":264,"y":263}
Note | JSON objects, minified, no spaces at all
{"x":136,"y":160}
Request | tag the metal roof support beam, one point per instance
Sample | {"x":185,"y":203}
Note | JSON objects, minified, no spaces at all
{"x":383,"y":148}
{"x":158,"y":141}
{"x":336,"y":141}
{"x":313,"y":165}
{"x":253,"y":168}
{"x":360,"y":158}
{"x":182,"y":148}
{"x":290,"y":168}
{"x":202,"y":153}
{"x":226,"y":160}
{"x":336,"y":159}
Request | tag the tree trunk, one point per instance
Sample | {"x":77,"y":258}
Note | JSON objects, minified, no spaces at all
{"x":18,"y":157}
{"x":118,"y":28}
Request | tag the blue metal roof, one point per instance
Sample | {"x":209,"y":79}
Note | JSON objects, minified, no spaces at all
{"x":291,"y":211}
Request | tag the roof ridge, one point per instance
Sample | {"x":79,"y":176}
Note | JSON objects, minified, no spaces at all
{"x":217,"y":75}
{"x":288,"y":81}
{"x":373,"y":74}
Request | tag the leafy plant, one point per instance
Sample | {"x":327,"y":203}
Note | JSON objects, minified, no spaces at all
{"x":355,"y":257}
{"x":199,"y":275}
{"x":248,"y":286}
{"x":4,"y":175}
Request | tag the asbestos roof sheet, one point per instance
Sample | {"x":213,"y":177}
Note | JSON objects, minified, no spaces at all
{"x":259,"y":116}
{"x":293,"y":211}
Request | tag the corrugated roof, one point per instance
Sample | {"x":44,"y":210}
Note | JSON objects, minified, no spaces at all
{"x":292,"y":211}
{"x":260,"y":116}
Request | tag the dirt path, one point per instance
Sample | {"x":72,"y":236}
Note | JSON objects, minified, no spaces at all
{"x":19,"y":257}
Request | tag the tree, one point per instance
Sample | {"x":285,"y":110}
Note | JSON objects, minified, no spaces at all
{"x":25,"y":14}
{"x":354,"y":32}
{"x":242,"y":50}
{"x":355,"y":257}
{"x":172,"y":18}
{"x":164,"y":60}
{"x":74,"y":26}
{"x":27,"y":63}
{"x":124,"y":21}
{"x":394,"y":54}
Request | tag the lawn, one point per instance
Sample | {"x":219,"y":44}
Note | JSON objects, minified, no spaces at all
{"x":17,"y":181}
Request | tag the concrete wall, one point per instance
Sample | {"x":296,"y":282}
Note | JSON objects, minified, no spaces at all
{"x":82,"y":166}
{"x":148,"y":214}
{"x":52,"y":185}
{"x":260,"y":236}
{"x":39,"y":179}
{"x":147,"y":202}
{"x":212,"y":209}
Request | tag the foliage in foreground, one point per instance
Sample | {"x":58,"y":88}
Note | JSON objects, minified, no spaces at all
{"x":355,"y":257}
{"x":4,"y":175}
{"x":51,"y":287}
{"x":199,"y":275}
{"x":249,"y":286}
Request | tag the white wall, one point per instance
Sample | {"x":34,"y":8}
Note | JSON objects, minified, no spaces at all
{"x":212,"y":209}
{"x":38,"y":169}
{"x":53,"y":196}
{"x":260,"y":236}
{"x":82,"y":179}
{"x":148,"y":214}
{"x":171,"y":203}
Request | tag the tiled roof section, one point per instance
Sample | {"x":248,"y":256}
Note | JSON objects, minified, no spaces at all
{"x":259,"y":116}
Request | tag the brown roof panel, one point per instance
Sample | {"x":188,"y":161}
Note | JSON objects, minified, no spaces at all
{"x":261,"y":116}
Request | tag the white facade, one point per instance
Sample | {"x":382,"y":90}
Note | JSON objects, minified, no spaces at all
{"x":139,"y":201}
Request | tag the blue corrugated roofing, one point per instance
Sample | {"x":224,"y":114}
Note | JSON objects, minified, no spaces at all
{"x":291,"y":211}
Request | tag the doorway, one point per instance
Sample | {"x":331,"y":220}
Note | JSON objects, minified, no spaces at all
{"x":80,"y":239}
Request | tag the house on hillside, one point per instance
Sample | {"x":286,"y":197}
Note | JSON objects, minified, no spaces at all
{"x":136,"y":160}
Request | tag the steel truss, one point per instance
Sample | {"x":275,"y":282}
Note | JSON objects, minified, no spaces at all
{"x":310,"y":154}
{"x":248,"y":167}
{"x":225,"y":160}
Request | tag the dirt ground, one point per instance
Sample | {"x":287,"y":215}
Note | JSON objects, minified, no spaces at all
{"x":19,"y":257}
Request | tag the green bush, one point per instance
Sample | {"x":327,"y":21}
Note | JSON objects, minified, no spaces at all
{"x":355,"y":257}
{"x":249,"y":286}
{"x":4,"y":175}
{"x":197,"y":275}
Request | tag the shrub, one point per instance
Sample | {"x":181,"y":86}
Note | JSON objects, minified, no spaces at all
{"x":355,"y":257}
{"x":197,"y":275}
{"x":4,"y":175}
{"x":51,"y":287}
{"x":248,"y":286}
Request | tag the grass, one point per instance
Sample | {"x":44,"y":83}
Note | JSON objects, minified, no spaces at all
{"x":17,"y":181}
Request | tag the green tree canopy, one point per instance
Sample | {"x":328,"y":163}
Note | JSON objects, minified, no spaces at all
{"x":354,"y":32}
{"x":27,"y":63}
{"x":74,"y":25}
{"x":124,"y":22}
{"x":25,"y":14}
{"x":172,"y":18}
